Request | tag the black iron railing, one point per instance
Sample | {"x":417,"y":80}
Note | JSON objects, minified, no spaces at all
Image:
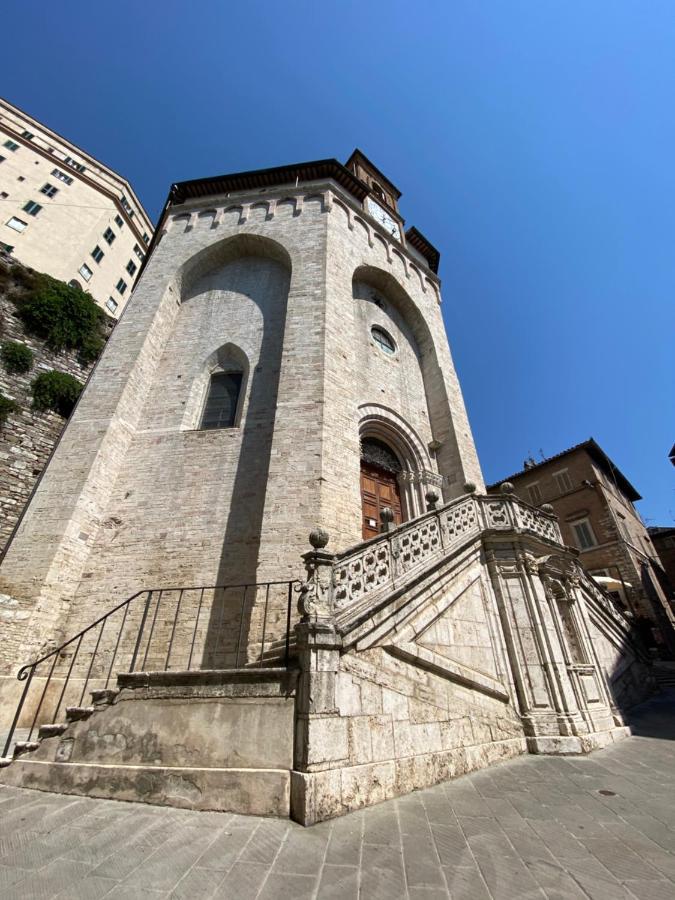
{"x":188,"y":628}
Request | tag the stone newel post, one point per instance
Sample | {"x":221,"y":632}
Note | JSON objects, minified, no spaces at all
{"x":317,"y":638}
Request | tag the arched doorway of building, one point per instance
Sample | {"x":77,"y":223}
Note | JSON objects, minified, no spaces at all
{"x":380,"y":468}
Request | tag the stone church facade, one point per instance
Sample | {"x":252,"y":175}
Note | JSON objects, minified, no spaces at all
{"x":281,"y":369}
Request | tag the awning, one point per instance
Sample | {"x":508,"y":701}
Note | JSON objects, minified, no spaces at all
{"x":611,"y":584}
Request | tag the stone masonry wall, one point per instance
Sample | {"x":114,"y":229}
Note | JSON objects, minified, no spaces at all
{"x":28,"y":436}
{"x":136,"y":498}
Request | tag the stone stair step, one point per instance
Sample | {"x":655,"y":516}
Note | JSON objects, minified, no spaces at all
{"x":77,"y":713}
{"x":5,"y":761}
{"x":104,"y":696}
{"x":53,"y":729}
{"x":25,"y":747}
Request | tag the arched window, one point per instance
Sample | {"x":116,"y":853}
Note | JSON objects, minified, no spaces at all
{"x":222,"y":400}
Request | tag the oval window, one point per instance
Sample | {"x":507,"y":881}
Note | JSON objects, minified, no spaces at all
{"x":383,"y":340}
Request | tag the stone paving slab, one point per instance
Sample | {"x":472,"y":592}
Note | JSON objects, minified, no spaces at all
{"x":600,"y":827}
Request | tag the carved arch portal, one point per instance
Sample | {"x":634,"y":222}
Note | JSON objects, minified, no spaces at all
{"x":415,"y":476}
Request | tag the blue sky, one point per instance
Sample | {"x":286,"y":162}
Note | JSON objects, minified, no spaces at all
{"x":534,"y":144}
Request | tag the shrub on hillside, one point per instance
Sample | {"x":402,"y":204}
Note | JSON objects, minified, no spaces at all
{"x":7,"y":407}
{"x":66,"y":317}
{"x":56,"y":390}
{"x":16,"y":358}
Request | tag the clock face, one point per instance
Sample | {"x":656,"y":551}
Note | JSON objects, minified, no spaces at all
{"x":382,"y":216}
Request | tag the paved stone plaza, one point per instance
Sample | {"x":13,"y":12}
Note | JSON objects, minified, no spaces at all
{"x":599,"y":827}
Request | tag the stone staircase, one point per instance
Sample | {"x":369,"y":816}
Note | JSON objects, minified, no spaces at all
{"x":198,"y":740}
{"x":465,"y":636}
{"x":664,"y":674}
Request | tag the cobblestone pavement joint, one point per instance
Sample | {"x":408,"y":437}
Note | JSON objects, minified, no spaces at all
{"x":600,"y":827}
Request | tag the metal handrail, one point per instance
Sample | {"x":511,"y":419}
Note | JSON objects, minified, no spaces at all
{"x":214,"y":640}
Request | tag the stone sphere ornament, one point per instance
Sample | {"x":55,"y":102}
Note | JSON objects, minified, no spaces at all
{"x":547,"y":508}
{"x":318,"y":538}
{"x":432,"y":497}
{"x":507,"y":488}
{"x":386,"y":514}
{"x":470,"y":487}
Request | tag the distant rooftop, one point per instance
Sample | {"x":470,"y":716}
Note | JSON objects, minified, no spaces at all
{"x":595,"y":452}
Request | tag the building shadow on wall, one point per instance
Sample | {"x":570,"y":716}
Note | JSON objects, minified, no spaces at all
{"x":240,"y":612}
{"x":635,"y":691}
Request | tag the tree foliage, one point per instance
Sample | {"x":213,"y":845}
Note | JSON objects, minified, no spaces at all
{"x":17,"y":358}
{"x":56,"y":390}
{"x":7,"y":407}
{"x":66,"y":317}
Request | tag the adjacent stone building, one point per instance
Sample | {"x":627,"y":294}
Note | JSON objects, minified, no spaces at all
{"x":663,"y":540}
{"x":65,"y":213}
{"x":595,"y":505}
{"x":282,"y":371}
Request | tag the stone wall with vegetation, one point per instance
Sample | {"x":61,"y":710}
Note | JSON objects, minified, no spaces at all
{"x":55,"y":323}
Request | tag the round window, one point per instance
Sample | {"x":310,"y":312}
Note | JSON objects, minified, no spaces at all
{"x":383,"y":340}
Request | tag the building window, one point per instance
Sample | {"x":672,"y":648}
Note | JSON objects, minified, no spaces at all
{"x":109,"y":235}
{"x":383,"y":340}
{"x":11,"y":145}
{"x":32,"y":208}
{"x":111,"y":304}
{"x":69,"y":161}
{"x":57,"y":173}
{"x":563,"y":481}
{"x":97,"y":253}
{"x":49,"y":190}
{"x":146,"y":238}
{"x":125,"y":203}
{"x":3,"y":195}
{"x":85,"y":272}
{"x":131,"y":267}
{"x":121,"y":285}
{"x":139,"y":253}
{"x":2,"y":159}
{"x":28,"y":135}
{"x":534,"y":494}
{"x":623,"y":528}
{"x":583,"y":534}
{"x":220,"y":410}
{"x":6,"y":248}
{"x":17,"y":224}
{"x":119,"y":221}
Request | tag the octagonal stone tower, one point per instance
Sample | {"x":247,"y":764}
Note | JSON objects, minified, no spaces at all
{"x":282,"y":364}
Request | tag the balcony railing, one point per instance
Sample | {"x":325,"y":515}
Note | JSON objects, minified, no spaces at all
{"x":185,"y":629}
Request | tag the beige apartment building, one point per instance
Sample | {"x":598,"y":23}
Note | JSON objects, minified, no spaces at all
{"x":594,"y":502}
{"x":65,"y":213}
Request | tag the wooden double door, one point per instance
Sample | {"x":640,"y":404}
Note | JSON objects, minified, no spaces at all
{"x":379,"y":488}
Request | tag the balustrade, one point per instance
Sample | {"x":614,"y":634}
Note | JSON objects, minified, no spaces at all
{"x":392,"y":557}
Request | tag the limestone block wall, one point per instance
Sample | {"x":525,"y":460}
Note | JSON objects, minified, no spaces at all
{"x":360,"y":263}
{"x":401,"y":728}
{"x":28,"y":436}
{"x":137,"y":497}
{"x":619,"y":652}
